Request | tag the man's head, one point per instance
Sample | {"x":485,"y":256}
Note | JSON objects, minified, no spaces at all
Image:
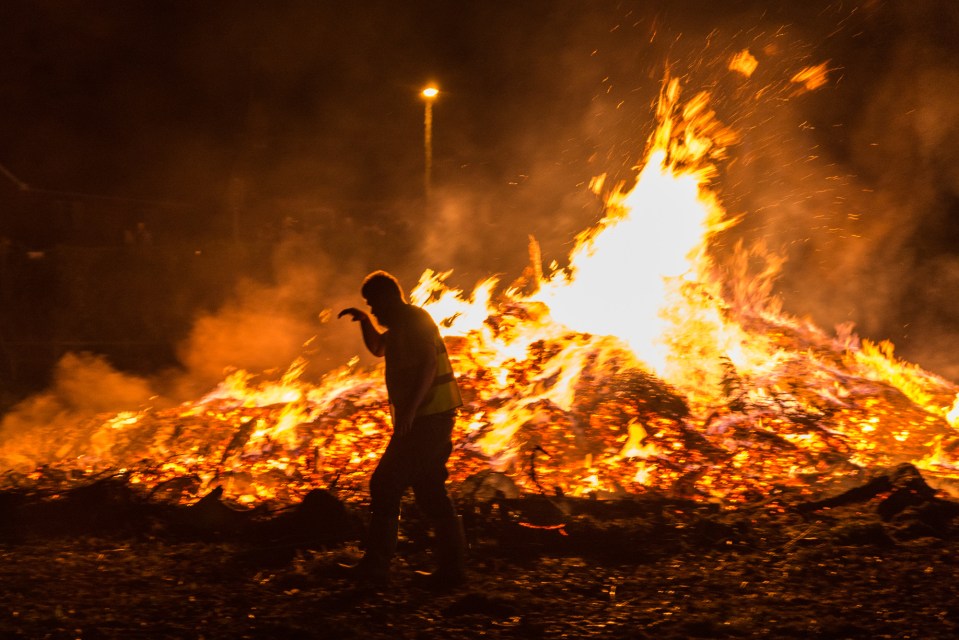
{"x":383,"y":294}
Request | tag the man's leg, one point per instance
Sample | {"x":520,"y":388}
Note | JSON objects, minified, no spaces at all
{"x":380,"y":546}
{"x":429,"y":487}
{"x":387,"y":486}
{"x":450,"y":550}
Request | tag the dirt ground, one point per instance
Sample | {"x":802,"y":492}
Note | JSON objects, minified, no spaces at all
{"x":877,"y":563}
{"x":96,"y":588}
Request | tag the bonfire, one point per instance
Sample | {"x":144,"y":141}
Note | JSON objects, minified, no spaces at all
{"x":644,"y":364}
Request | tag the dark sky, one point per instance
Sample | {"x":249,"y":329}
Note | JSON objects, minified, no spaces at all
{"x":170,"y":97}
{"x":315,"y":103}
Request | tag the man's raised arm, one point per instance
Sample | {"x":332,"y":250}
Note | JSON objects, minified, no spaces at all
{"x":372,"y":338}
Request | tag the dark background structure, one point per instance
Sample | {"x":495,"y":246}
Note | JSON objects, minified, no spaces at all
{"x":186,"y":185}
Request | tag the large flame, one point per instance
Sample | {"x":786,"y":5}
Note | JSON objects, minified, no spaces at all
{"x":634,"y":367}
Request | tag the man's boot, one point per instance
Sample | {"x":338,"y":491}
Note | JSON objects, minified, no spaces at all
{"x":380,"y":545}
{"x":450,"y":551}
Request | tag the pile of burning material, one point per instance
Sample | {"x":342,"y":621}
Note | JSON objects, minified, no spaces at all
{"x":575,"y":417}
{"x":642,"y":367}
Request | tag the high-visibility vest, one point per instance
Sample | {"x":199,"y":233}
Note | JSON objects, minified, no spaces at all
{"x":444,"y":395}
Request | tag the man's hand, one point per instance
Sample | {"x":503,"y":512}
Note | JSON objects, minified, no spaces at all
{"x":402,"y":424}
{"x":356,"y":315}
{"x":372,"y":338}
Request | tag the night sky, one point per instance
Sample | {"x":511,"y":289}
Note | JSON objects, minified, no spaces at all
{"x":313,"y":107}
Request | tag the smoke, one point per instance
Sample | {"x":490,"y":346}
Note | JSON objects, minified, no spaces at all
{"x":84,"y":385}
{"x":908,"y":144}
{"x":860,"y":184}
{"x":262,"y":327}
{"x":265,"y":326}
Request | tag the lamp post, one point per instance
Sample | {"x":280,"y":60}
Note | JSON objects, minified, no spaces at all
{"x":429,"y":95}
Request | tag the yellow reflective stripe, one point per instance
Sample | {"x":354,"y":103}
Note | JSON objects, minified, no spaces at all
{"x":444,"y":394}
{"x":443,"y":398}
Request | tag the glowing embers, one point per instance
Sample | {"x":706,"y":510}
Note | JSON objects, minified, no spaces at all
{"x":811,"y":78}
{"x":743,"y":62}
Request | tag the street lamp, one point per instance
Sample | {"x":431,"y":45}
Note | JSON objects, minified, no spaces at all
{"x":429,"y":95}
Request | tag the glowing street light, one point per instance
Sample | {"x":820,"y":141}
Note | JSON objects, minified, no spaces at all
{"x":429,"y":95}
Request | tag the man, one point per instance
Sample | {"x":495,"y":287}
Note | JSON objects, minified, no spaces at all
{"x":423,"y":400}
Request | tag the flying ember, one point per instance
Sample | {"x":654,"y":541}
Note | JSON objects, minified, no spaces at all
{"x":639,"y":366}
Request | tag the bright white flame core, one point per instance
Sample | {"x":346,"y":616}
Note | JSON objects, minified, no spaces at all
{"x":619,"y":276}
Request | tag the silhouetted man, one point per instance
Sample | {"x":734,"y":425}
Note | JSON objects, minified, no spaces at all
{"x":423,"y":400}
